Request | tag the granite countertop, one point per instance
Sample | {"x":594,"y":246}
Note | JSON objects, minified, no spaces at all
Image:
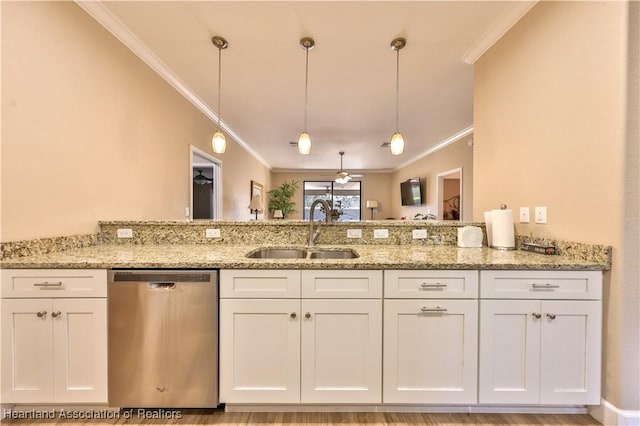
{"x":197,"y":256}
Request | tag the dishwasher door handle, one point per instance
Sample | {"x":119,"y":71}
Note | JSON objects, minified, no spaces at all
{"x":162,"y":286}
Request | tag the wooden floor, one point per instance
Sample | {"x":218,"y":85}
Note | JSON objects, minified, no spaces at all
{"x":318,"y":419}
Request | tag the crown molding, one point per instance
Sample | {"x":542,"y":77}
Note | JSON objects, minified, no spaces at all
{"x":437,"y":147}
{"x":98,"y":11}
{"x":499,"y":28}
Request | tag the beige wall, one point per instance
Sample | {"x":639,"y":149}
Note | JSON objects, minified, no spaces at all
{"x":375,"y":186}
{"x":89,"y":132}
{"x":458,"y":154}
{"x":549,"y":118}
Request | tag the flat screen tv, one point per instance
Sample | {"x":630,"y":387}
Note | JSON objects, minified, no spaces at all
{"x":410,"y":192}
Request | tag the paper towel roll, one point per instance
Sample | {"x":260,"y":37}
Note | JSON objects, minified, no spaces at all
{"x":488,"y":225}
{"x":502,"y":229}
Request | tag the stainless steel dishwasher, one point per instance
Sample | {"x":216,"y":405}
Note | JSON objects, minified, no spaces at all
{"x":163,"y":338}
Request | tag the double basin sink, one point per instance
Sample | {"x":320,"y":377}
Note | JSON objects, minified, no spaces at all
{"x":302,"y":253}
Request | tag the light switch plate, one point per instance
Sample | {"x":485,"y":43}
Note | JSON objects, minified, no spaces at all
{"x":212,"y":233}
{"x":125,"y":233}
{"x":524,"y":214}
{"x":419,"y":234}
{"x":541,"y":214}
{"x":380,"y":233}
{"x":354,"y":233}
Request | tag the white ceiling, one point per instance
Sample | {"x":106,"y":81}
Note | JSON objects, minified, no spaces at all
{"x":351,"y":101}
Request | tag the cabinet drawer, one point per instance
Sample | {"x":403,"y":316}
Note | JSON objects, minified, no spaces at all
{"x":430,"y":284}
{"x":27,"y":283}
{"x":580,"y":285}
{"x":342,"y":284}
{"x":259,"y":283}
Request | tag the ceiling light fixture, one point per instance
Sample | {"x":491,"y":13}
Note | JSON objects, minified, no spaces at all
{"x":397,"y":141}
{"x":342,"y":177}
{"x":218,"y":141}
{"x":304,"y":141}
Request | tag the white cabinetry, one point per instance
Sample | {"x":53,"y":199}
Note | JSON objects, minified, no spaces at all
{"x":430,"y":337}
{"x":278,"y":348}
{"x":54,"y":336}
{"x":540,"y":337}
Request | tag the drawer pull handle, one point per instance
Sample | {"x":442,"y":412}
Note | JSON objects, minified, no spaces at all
{"x":536,"y":315}
{"x":41,"y":314}
{"x":293,"y":315}
{"x":546,"y":286}
{"x":56,"y":314}
{"x":551,"y":316}
{"x":436,"y":309}
{"x":307,"y":315}
{"x":434,"y":285}
{"x":48,"y":284}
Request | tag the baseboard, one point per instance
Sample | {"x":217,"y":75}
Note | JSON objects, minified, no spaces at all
{"x":407,"y":408}
{"x":610,"y":415}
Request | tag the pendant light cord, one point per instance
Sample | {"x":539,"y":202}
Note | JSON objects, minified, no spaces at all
{"x":219,"y":83}
{"x":306,"y":85}
{"x":397,"y":86}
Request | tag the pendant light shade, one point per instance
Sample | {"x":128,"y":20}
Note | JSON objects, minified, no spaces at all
{"x":397,"y":144}
{"x":304,"y":141}
{"x":397,"y":141}
{"x":218,"y":141}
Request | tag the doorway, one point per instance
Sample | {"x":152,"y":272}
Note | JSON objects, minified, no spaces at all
{"x":205,"y":185}
{"x":450,"y":194}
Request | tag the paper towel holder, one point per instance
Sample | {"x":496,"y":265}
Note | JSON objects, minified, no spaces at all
{"x":510,"y":234}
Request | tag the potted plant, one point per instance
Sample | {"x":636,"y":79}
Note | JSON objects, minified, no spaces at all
{"x":280,"y":198}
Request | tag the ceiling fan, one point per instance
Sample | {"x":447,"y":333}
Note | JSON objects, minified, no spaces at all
{"x":343,"y":177}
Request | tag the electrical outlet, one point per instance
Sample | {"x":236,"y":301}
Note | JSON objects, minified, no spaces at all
{"x":212,"y":233}
{"x":125,"y":233}
{"x":354,"y":233}
{"x":380,"y":233}
{"x":524,"y":214}
{"x":186,"y":212}
{"x":419,"y":234}
{"x":541,"y":214}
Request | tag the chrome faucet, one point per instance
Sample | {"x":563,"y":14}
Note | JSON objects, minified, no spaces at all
{"x":327,"y":213}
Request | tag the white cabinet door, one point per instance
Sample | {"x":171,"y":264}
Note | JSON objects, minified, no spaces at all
{"x":570,"y":352}
{"x":430,"y":351}
{"x":259,"y":351}
{"x":80,"y":350}
{"x":27,"y":370}
{"x":509,"y":351}
{"x":341,"y":351}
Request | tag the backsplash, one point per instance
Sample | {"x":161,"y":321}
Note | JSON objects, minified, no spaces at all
{"x":46,"y":245}
{"x":280,"y":232}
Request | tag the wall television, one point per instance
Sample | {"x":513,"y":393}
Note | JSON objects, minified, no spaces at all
{"x":411,"y":192}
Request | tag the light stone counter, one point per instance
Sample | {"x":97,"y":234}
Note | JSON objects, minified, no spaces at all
{"x":230,"y":256}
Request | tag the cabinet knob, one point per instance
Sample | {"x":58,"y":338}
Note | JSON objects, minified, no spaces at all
{"x":41,"y":314}
{"x":536,"y":315}
{"x":56,"y":314}
{"x":293,"y":315}
{"x":551,"y":316}
{"x":307,"y":315}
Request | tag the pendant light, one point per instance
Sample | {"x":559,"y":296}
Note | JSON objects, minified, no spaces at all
{"x":397,"y":141}
{"x":304,"y":141}
{"x":218,"y":141}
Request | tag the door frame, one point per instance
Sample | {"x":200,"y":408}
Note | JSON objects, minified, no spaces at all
{"x":216,"y":165}
{"x":440,"y":199}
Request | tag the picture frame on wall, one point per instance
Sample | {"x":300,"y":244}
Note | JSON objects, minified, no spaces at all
{"x":257,"y":189}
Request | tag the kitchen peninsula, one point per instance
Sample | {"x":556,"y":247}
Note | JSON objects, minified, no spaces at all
{"x":406,"y":322}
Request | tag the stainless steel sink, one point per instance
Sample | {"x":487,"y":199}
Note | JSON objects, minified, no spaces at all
{"x":298,"y":253}
{"x":278,"y":253}
{"x":333,"y":254}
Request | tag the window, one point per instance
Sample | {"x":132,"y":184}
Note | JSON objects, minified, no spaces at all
{"x":345,"y":200}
